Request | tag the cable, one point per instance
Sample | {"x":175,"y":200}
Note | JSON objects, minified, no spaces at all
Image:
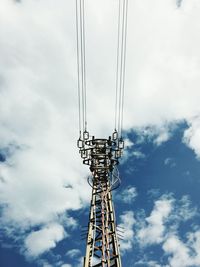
{"x":78,"y":68}
{"x":120,"y":70}
{"x":81,"y":69}
{"x":124,"y":65}
{"x":117,"y":70}
{"x":121,"y":67}
{"x":82,"y":62}
{"x":84,"y":68}
{"x":121,"y":60}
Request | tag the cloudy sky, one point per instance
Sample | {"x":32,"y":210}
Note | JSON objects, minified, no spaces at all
{"x":44,"y":195}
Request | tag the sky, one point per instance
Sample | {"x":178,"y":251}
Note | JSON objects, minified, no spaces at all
{"x":44,"y":195}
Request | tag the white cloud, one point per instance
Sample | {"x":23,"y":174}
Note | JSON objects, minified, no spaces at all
{"x":157,"y":134}
{"x":80,"y":262}
{"x":43,"y":240}
{"x":128,"y":143}
{"x":42,"y":177}
{"x":192,"y":135}
{"x":47,"y":265}
{"x":73,"y":253}
{"x":170,"y":162}
{"x":164,"y":91}
{"x":162,"y":137}
{"x":128,"y":195}
{"x":153,"y":264}
{"x":167,"y":215}
{"x":180,"y":252}
{"x":44,"y":263}
{"x":154,"y":228}
{"x":148,"y":263}
{"x":184,"y":209}
{"x":138,"y":154}
{"x":127,"y":222}
{"x":162,"y":228}
{"x":183,"y":254}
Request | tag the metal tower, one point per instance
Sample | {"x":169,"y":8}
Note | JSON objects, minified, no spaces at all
{"x":102,"y":157}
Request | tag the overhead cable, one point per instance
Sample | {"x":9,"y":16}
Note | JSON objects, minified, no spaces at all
{"x":121,"y":60}
{"x":81,"y":69}
{"x":117,"y":70}
{"x":124,"y":64}
{"x":78,"y":67}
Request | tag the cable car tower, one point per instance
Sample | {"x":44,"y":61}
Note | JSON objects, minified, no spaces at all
{"x":101,"y":154}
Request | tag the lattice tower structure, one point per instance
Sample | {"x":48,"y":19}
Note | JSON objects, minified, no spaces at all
{"x":102,"y":157}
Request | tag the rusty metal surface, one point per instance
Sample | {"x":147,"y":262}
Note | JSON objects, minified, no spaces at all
{"x":102,"y":157}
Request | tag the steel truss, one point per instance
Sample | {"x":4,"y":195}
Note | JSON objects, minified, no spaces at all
{"x":102,"y":156}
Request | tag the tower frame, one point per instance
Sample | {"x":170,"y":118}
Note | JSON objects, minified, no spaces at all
{"x":102,"y":157}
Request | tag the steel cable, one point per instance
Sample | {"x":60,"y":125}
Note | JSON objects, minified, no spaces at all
{"x":124,"y":65}
{"x":121,"y":60}
{"x":84,"y":67}
{"x":117,"y":70}
{"x":120,"y":70}
{"x":78,"y":68}
{"x":121,"y":67}
{"x":81,"y":69}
